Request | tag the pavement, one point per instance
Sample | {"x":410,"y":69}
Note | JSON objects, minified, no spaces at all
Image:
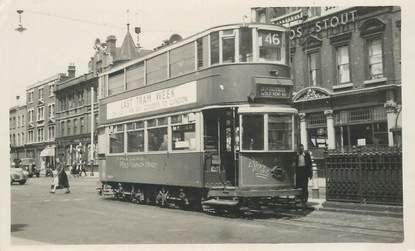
{"x":82,"y":217}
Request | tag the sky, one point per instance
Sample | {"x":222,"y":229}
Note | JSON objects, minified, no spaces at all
{"x":63,"y":32}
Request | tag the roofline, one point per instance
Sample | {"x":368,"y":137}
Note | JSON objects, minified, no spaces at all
{"x":45,"y":81}
{"x":186,"y":40}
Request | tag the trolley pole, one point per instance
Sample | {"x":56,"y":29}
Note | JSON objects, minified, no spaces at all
{"x":92,"y":131}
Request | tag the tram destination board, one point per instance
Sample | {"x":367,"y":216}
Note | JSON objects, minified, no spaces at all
{"x":272,"y":91}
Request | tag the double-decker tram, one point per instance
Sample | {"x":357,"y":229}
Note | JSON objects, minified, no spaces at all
{"x":204,"y":121}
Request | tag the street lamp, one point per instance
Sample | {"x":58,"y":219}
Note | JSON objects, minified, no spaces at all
{"x":20,"y":28}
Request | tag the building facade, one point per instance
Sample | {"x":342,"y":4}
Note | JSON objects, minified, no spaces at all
{"x":346,"y":66}
{"x":41,"y":126}
{"x":17,"y":129}
{"x":73,"y":117}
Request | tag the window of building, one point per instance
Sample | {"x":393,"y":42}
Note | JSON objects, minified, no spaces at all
{"x":51,"y":132}
{"x":18,"y":122}
{"x":375,"y":58}
{"x":214,"y":47}
{"x":135,"y":76}
{"x":40,"y":93}
{"x":68,"y":127}
{"x":313,"y":68}
{"x":31,"y":115}
{"x":23,"y":121}
{"x":40,"y":113}
{"x":40,"y":134}
{"x":82,"y":126}
{"x":156,"y":68}
{"x":51,"y":110}
{"x":184,"y":137}
{"x":202,"y":52}
{"x":18,"y":139}
{"x":228,"y":46}
{"x":280,"y":129}
{"x":81,"y":100}
{"x":343,"y":64}
{"x":30,"y":97}
{"x":245,"y":45}
{"x":116,"y":82}
{"x":135,"y":137}
{"x":62,"y":128}
{"x":30,"y":139}
{"x":253,"y":132}
{"x":51,"y":90}
{"x":270,"y":45}
{"x":182,"y":60}
{"x":117,"y":139}
{"x":75,"y":126}
{"x":23,"y":138}
{"x":157,"y":137}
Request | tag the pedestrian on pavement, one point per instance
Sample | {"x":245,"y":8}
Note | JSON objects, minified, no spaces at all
{"x":62,"y":178}
{"x":303,"y":171}
{"x":82,"y":164}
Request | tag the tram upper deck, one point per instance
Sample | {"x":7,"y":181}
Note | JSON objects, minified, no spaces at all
{"x":225,"y":64}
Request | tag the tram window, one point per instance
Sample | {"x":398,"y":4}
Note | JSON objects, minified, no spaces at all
{"x":135,"y":141}
{"x":117,"y":143}
{"x":157,"y":68}
{"x":157,"y":139}
{"x":279,"y":132}
{"x":116,"y":83}
{"x":253,"y":132}
{"x":182,"y":60}
{"x":269,"y":45}
{"x":151,"y":122}
{"x":245,"y":45}
{"x":214,"y":47}
{"x":202,"y":52}
{"x":184,"y":137}
{"x":228,"y":46}
{"x":135,"y":76}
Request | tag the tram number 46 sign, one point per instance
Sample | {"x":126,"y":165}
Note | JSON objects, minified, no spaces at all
{"x":266,"y":91}
{"x":270,"y":39}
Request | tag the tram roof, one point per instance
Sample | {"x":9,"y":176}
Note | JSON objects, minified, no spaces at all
{"x":190,"y":39}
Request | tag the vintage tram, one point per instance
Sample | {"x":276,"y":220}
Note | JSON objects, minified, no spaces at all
{"x":204,"y":121}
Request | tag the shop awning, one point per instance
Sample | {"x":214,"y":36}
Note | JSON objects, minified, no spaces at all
{"x":47,"y":152}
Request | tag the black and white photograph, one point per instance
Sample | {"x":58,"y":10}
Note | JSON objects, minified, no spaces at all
{"x":196,"y":122}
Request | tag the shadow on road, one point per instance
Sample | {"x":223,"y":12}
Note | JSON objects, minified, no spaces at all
{"x":17,"y":227}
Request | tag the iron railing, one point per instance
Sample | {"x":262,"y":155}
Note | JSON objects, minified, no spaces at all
{"x":369,"y":175}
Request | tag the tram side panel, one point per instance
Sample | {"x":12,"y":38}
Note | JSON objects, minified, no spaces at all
{"x":178,"y":169}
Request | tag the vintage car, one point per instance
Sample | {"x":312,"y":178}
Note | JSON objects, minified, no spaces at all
{"x":28,"y":164}
{"x":17,"y":174}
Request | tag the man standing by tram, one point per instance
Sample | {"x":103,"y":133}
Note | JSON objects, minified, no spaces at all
{"x":303,"y":171}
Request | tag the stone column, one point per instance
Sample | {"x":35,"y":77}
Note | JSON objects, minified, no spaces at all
{"x":330,"y":129}
{"x":303,"y":131}
{"x":391,"y":107}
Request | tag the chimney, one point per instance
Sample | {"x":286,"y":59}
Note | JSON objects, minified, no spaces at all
{"x":71,"y":70}
{"x":111,"y":44}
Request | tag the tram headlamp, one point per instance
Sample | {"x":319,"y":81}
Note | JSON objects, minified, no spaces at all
{"x":274,"y":72}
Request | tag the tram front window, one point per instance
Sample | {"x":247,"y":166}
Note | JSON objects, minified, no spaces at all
{"x":270,"y":43}
{"x":280,"y":132}
{"x":253,"y":132}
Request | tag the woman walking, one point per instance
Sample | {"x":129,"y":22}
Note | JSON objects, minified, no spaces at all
{"x":61,"y":180}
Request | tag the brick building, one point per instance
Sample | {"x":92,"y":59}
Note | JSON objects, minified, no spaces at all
{"x":17,"y":130}
{"x":40,"y":102}
{"x":346,"y":66}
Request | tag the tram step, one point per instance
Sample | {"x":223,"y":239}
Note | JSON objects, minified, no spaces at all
{"x":216,"y":202}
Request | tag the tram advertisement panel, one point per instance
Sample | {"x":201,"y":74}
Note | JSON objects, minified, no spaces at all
{"x":266,"y":169}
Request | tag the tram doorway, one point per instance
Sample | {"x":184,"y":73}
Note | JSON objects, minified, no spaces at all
{"x":221,"y":144}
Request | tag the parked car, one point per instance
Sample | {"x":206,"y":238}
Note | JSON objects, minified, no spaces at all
{"x":17,"y":174}
{"x":29,"y":165}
